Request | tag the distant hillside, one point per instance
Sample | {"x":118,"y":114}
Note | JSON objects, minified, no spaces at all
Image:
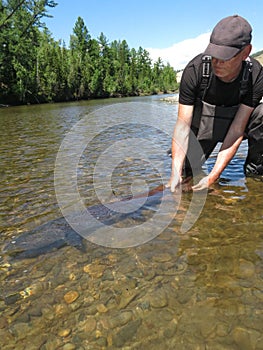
{"x":258,"y":56}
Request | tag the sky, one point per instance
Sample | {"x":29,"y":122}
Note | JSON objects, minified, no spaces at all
{"x":173,"y":30}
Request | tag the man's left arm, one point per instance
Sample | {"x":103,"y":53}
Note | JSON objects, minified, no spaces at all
{"x":229,"y":147}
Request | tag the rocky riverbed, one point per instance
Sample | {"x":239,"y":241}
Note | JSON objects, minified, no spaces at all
{"x":175,"y":292}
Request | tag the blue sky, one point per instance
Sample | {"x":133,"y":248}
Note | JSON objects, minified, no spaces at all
{"x":173,"y":30}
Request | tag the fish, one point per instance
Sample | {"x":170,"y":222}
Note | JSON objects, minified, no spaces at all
{"x":58,"y":233}
{"x":45,"y":238}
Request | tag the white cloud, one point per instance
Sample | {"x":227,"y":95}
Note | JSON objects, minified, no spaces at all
{"x":179,"y":54}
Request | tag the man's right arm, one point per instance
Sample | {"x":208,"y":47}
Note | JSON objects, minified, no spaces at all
{"x":180,"y":144}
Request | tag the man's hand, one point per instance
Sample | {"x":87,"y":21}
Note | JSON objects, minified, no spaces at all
{"x":203,"y":184}
{"x":174,"y":182}
{"x":184,"y":184}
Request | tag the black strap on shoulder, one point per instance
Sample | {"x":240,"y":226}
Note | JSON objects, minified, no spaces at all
{"x":244,"y":83}
{"x":206,"y":73}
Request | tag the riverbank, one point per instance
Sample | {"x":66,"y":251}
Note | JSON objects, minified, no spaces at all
{"x":171,"y":99}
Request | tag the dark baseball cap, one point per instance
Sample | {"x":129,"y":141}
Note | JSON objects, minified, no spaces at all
{"x":229,"y":36}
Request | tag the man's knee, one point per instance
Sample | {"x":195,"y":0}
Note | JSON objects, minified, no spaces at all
{"x":254,"y":162}
{"x":254,"y":130}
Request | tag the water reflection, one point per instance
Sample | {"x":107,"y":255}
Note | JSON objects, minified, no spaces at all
{"x":196,"y":290}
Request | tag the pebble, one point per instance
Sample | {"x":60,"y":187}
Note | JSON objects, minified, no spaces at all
{"x":61,"y":309}
{"x":164,"y":257}
{"x":242,"y":338}
{"x":3,"y":322}
{"x":101,"y":308}
{"x":52,"y":343}
{"x":69,"y":346}
{"x":158,"y":299}
{"x":246,"y":269}
{"x":222,"y":330}
{"x":127,"y":297}
{"x":88,"y":325}
{"x":184,"y":296}
{"x":118,"y":320}
{"x":94,"y":270}
{"x":48,"y":312}
{"x":64,"y":332}
{"x":126,"y":333}
{"x":171,"y":329}
{"x":21,"y":330}
{"x":71,"y":296}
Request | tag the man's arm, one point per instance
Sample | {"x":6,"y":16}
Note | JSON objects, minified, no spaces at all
{"x":180,"y":143}
{"x":229,"y":147}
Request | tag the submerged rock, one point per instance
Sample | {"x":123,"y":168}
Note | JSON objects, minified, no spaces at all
{"x":126,"y":333}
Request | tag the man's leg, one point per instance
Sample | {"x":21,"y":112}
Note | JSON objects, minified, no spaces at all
{"x":254,"y":162}
{"x":197,"y":155}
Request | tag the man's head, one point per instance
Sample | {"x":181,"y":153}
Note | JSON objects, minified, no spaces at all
{"x":229,"y":37}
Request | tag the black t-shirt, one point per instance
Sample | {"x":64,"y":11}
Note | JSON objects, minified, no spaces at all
{"x":220,"y":93}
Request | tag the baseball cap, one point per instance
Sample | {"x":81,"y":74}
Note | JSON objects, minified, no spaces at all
{"x":228,"y":37}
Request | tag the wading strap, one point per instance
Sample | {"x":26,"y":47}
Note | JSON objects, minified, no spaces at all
{"x":206,"y":73}
{"x":245,"y":78}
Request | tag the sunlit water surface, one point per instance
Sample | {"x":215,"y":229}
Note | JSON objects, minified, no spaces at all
{"x":200,"y":289}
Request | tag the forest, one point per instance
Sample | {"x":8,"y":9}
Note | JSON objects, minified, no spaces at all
{"x":35,"y":68}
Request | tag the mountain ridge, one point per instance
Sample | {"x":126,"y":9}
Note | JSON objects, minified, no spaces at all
{"x":258,"y":56}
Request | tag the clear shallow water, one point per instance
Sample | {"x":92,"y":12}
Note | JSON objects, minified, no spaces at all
{"x":201,"y":289}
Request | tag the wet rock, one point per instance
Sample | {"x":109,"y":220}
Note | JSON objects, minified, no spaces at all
{"x":6,"y":338}
{"x":126,"y":297}
{"x":222,"y":330}
{"x":88,"y":325}
{"x":12,"y":298}
{"x":144,"y":305}
{"x":259,"y":344}
{"x":126,"y":333}
{"x":35,"y":311}
{"x":184,"y":296}
{"x":21,"y":330}
{"x":242,"y":339}
{"x":118,"y":320}
{"x":166,"y":315}
{"x":71,"y":296}
{"x":149,"y":275}
{"x":94,"y":270}
{"x":101,"y":308}
{"x":52,"y":343}
{"x":207,"y":327}
{"x":170,"y":329}
{"x":64,"y":332}
{"x":246,"y":269}
{"x":61,"y":309}
{"x":48,"y":312}
{"x":23,"y":317}
{"x":101,"y":342}
{"x":158,"y":299}
{"x":164,"y":257}
{"x":69,"y":346}
{"x":258,"y":294}
{"x":3,"y":322}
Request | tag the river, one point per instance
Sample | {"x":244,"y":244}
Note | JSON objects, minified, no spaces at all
{"x":186,"y":274}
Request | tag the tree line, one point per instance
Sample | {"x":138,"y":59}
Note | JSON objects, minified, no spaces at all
{"x":35,"y":68}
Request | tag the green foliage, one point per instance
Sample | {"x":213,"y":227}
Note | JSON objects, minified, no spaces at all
{"x":35,"y":68}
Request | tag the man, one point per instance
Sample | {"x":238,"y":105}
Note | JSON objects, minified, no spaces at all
{"x":219,"y":101}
